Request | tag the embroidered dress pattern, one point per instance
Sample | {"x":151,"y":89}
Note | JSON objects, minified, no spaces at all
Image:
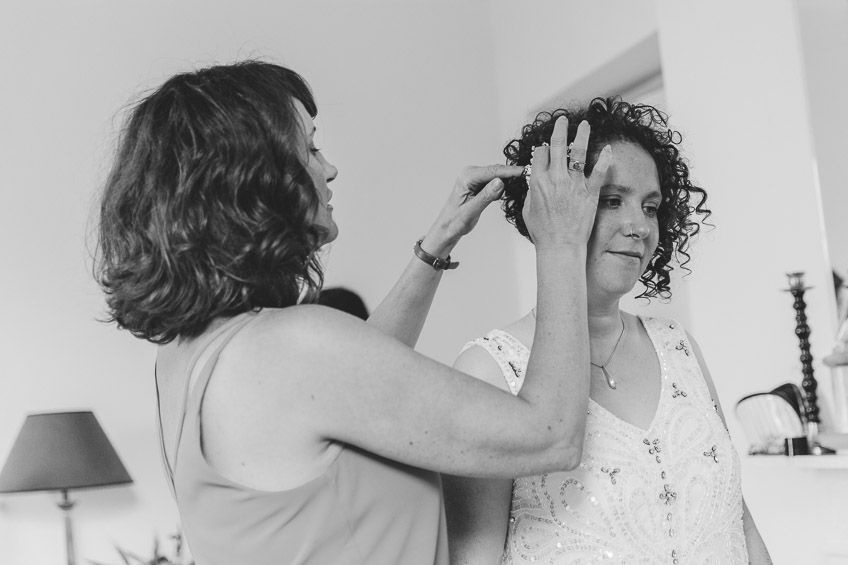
{"x":671,"y":494}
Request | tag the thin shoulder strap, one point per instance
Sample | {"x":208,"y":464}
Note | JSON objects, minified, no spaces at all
{"x":507,"y":351}
{"x":162,"y":451}
{"x":230,"y":328}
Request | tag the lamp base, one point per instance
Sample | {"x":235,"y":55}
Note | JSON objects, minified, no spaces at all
{"x":67,"y":505}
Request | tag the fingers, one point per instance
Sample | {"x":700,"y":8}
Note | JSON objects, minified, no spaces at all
{"x":560,"y":205}
{"x":488,"y":194}
{"x":603,"y":163}
{"x":565,"y":157}
{"x":559,"y":147}
{"x":579,"y":148}
{"x":541,"y":158}
{"x":474,"y":190}
{"x":599,"y":172}
{"x":475,"y":177}
{"x":507,"y":171}
{"x":462,"y":214}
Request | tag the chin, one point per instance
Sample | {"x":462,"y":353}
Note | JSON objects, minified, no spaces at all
{"x":619,"y":288}
{"x":332,"y":234}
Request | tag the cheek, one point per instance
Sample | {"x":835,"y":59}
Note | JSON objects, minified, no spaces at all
{"x":653,"y":239}
{"x":314,"y":170}
{"x":319,"y":181}
{"x":602,"y":229}
{"x":594,"y":247}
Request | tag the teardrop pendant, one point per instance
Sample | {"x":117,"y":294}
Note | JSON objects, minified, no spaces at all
{"x":610,"y":380}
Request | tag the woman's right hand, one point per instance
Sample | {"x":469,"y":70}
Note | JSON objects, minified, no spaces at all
{"x":561,"y":201}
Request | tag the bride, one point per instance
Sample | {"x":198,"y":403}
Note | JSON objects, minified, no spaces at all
{"x":659,"y":480}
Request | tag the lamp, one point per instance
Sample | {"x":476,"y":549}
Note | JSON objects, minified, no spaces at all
{"x":62,"y":451}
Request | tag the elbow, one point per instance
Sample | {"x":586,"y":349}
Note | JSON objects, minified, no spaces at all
{"x":566,"y":454}
{"x":561,"y":449}
{"x":571,"y":455}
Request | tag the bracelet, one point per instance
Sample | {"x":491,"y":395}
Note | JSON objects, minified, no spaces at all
{"x":435,"y":262}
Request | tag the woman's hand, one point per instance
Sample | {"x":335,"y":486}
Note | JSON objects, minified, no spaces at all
{"x":475,"y":188}
{"x":561,"y":201}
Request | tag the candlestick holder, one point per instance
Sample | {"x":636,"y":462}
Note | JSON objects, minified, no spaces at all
{"x":808,"y":384}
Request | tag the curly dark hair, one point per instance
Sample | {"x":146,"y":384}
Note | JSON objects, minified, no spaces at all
{"x":613,"y":120}
{"x":209,"y":209}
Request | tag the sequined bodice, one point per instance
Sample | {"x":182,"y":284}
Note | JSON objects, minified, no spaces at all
{"x":669,"y":494}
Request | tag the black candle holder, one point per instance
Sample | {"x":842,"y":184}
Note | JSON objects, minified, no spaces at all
{"x":808,"y":384}
{"x":802,"y":330}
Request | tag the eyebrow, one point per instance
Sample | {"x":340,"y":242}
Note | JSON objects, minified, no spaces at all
{"x":628,"y":190}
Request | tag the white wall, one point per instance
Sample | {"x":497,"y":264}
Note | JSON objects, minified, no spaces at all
{"x":409,"y":92}
{"x":406,"y":99}
{"x":737,"y":86}
{"x":823,"y":26}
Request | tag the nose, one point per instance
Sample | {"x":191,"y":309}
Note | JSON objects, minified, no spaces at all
{"x":330,"y":171}
{"x":640,"y":229}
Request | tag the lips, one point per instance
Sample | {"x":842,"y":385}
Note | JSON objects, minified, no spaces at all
{"x":634,"y":254}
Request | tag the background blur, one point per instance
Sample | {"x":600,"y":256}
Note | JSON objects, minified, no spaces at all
{"x":409,"y":92}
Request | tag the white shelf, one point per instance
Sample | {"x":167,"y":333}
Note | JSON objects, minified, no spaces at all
{"x":816,"y":462}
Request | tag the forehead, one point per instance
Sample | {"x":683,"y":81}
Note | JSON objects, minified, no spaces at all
{"x":306,"y":121}
{"x":632,"y":167}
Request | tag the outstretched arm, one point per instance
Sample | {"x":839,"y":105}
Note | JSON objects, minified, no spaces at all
{"x":328,"y":377}
{"x":757,"y":552}
{"x":403,"y":312}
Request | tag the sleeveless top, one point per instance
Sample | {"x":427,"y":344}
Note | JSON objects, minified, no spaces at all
{"x":670,"y":494}
{"x":363,"y":509}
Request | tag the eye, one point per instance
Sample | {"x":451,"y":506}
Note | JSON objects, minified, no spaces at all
{"x":610,"y":202}
{"x":314,"y":150}
{"x":651,"y":210}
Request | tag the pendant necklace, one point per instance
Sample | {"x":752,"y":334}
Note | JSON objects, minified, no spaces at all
{"x":610,"y":380}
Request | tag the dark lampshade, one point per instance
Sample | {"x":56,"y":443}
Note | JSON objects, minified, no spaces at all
{"x":60,"y":451}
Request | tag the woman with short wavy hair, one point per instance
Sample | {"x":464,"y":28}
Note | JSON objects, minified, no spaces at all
{"x":658,"y":477}
{"x":292,"y":432}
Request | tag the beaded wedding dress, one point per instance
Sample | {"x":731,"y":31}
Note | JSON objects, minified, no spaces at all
{"x":670,"y":494}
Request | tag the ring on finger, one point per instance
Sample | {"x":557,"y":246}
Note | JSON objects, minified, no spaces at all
{"x":576,"y":166}
{"x":528,"y":170}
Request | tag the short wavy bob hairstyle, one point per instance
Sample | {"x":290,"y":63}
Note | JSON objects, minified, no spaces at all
{"x":209,"y":209}
{"x":613,"y":120}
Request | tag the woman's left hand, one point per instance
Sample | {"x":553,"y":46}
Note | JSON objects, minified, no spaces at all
{"x":475,"y":188}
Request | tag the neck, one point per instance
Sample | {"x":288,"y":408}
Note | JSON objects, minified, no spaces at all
{"x":604,"y":322}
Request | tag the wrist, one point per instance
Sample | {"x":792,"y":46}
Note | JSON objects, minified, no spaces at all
{"x":562,"y":253}
{"x":556,"y":249}
{"x":438,"y":241}
{"x":438,"y":263}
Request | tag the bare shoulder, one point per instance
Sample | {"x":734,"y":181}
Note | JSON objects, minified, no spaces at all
{"x":318,"y":333}
{"x":302,"y":324}
{"x":291,"y":350}
{"x":523,"y":329}
{"x":479,"y":363}
{"x":272,"y":371}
